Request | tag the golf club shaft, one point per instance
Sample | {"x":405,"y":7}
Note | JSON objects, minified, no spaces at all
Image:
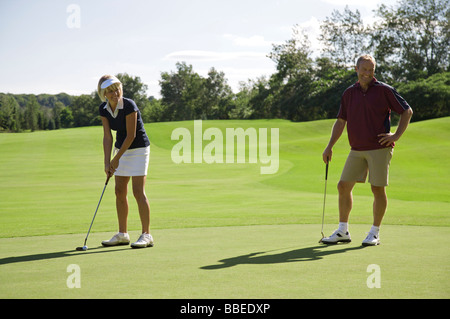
{"x":106,"y":183}
{"x":324,"y":195}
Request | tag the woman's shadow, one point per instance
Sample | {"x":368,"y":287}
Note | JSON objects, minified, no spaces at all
{"x":296,"y":255}
{"x":53,"y":255}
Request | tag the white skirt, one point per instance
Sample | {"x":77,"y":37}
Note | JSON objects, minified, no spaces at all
{"x":134,"y":162}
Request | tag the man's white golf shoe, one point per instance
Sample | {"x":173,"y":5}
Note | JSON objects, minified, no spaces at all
{"x":371,"y":240}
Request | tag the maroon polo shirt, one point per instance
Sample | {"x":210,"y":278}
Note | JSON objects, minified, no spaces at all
{"x":369,"y":113}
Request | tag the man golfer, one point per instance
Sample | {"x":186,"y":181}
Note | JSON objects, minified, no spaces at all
{"x":365,"y":108}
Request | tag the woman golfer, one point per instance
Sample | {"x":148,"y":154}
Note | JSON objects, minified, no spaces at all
{"x":130,"y":157}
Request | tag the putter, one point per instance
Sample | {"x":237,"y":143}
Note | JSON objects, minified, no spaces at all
{"x":324,"y":199}
{"x":84,"y":248}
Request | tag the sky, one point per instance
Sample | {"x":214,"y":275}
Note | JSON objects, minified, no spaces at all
{"x":54,"y":46}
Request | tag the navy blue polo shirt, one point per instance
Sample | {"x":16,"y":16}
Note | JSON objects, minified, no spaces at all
{"x":369,"y":113}
{"x":118,"y":123}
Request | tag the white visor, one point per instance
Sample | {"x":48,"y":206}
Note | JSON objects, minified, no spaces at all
{"x":106,"y":84}
{"x":109,"y":82}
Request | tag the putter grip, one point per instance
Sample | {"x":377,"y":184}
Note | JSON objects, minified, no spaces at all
{"x":326,"y":170}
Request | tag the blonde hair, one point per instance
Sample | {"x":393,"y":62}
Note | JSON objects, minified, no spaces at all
{"x":117,"y":85}
{"x":366,"y":57}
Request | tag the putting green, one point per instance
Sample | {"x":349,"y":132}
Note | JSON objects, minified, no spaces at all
{"x":277,"y":261}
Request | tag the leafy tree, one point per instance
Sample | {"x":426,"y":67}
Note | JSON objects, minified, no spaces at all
{"x":430,"y":98}
{"x":329,"y":83}
{"x":344,"y":37}
{"x":217,"y":97}
{"x":242,"y":107}
{"x":59,"y":106}
{"x":84,"y":110}
{"x":154,"y":111}
{"x":10,"y":113}
{"x":31,"y":114}
{"x":292,"y":57}
{"x":262,"y":98}
{"x":290,"y":85}
{"x":134,"y":88}
{"x":186,"y":95}
{"x":411,"y":40}
{"x":66,"y":118}
{"x":177,"y":90}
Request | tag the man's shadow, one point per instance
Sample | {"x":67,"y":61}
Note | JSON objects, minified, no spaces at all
{"x":296,"y":255}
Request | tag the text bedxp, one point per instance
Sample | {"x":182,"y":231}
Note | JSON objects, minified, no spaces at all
{"x":233,"y":308}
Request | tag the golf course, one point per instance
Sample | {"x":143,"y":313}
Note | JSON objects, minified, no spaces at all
{"x":222,"y":230}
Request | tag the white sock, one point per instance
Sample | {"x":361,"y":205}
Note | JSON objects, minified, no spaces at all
{"x":375,"y":230}
{"x":343,"y":227}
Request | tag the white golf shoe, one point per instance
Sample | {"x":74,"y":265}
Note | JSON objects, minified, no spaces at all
{"x":337,"y":237}
{"x":145,"y":240}
{"x":117,"y":239}
{"x":371,"y":240}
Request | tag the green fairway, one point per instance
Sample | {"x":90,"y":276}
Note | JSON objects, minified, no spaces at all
{"x":222,"y":230}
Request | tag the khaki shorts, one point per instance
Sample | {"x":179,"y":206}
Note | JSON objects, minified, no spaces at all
{"x":376,"y":162}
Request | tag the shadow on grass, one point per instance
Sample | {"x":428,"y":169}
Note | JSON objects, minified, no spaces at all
{"x":296,"y":255}
{"x":58,"y":254}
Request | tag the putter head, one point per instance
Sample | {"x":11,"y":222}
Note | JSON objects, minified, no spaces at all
{"x":84,"y":248}
{"x":323,"y":236}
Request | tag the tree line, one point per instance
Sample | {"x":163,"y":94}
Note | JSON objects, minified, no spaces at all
{"x":408,"y":40}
